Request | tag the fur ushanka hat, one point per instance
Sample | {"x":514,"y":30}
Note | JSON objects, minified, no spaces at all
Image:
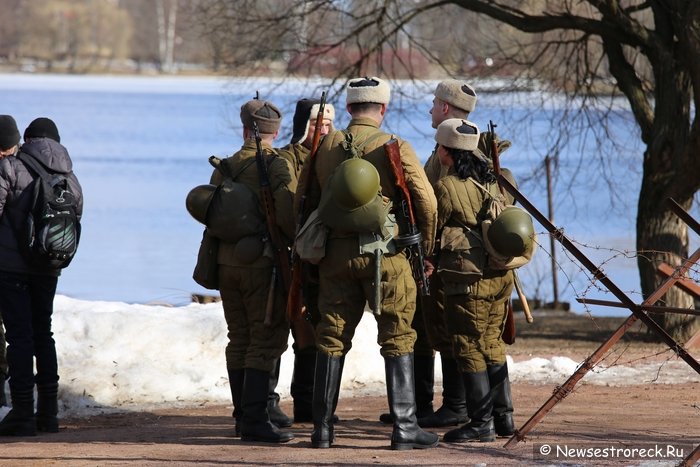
{"x":368,"y":89}
{"x":456,"y":133}
{"x":457,"y":93}
{"x":306,"y":112}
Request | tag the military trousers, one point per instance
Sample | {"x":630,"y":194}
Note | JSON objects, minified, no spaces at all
{"x":251,"y":343}
{"x":347,"y":285}
{"x":476,"y":321}
{"x":433,"y":334}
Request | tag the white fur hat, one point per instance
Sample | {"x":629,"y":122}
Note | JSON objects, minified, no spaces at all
{"x":328,"y":114}
{"x":457,"y":93}
{"x":456,"y":133}
{"x":368,"y":89}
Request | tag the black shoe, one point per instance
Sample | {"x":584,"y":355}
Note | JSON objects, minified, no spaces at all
{"x":471,"y":433}
{"x":502,"y":400}
{"x":329,"y":371}
{"x":255,"y":422}
{"x":505,"y":428}
{"x":47,"y":408}
{"x":277,"y":417}
{"x":46,"y":423}
{"x":443,"y":417}
{"x":454,"y":404}
{"x":264,"y":432}
{"x":402,"y":405}
{"x":479,"y":407}
{"x":18,"y":422}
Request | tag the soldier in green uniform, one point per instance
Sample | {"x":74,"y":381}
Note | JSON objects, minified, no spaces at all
{"x":296,"y":152}
{"x":475,"y":312}
{"x":452,"y":99}
{"x":347,"y":272}
{"x":245,"y":269}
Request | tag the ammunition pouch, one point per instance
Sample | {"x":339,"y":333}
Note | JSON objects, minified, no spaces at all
{"x":310,"y":242}
{"x":462,"y":255}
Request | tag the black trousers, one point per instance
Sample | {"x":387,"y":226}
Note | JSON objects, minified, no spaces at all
{"x":26,"y":304}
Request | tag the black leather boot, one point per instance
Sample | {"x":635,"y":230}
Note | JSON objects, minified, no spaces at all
{"x":255,"y":421}
{"x":302,"y":385}
{"x":20,"y":421}
{"x":424,"y":377}
{"x":479,"y":406}
{"x":454,"y":406}
{"x":277,"y":417}
{"x":3,"y":397}
{"x":235,"y":382}
{"x":329,"y":371}
{"x":502,"y":400}
{"x":47,"y":408}
{"x":402,"y":405}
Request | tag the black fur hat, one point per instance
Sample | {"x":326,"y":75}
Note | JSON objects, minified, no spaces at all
{"x":302,"y":115}
{"x":9,"y":134}
{"x":42,"y":127}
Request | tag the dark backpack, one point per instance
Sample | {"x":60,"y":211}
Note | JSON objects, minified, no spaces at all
{"x":51,"y":231}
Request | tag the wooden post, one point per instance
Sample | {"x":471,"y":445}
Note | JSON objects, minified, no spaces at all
{"x":552,"y":241}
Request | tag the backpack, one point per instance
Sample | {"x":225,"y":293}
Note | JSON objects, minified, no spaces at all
{"x":51,"y":231}
{"x":465,"y":252}
{"x":234,"y":212}
{"x":369,"y":218}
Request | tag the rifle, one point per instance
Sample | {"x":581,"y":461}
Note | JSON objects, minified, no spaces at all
{"x":280,"y":249}
{"x":294,"y":300}
{"x":509,"y":330}
{"x":411,"y":239}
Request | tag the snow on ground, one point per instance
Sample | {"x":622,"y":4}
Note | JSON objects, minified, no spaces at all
{"x":118,"y":356}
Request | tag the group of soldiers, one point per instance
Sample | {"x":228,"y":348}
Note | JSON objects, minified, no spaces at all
{"x":346,"y":179}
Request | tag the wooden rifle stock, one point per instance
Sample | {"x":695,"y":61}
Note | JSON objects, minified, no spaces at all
{"x":280,"y":249}
{"x":303,"y":330}
{"x":411,"y":237}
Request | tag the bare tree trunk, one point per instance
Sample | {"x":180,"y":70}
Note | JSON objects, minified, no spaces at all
{"x":166,"y":34}
{"x":663,"y":237}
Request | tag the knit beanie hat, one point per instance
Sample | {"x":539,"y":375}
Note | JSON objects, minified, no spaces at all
{"x":267,"y":116}
{"x":9,"y":134}
{"x":456,"y":133}
{"x":368,"y":89}
{"x":305,"y":115}
{"x":42,"y":127}
{"x":457,"y":93}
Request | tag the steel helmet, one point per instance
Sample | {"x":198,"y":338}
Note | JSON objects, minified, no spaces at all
{"x":355,"y":183}
{"x":198,"y":201}
{"x":511,"y":233}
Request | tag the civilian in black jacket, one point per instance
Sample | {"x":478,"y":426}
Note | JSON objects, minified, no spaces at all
{"x":27,"y":290}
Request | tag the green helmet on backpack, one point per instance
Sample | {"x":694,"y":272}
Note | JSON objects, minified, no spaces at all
{"x":512,"y":232}
{"x":355,"y":183}
{"x":198,"y":201}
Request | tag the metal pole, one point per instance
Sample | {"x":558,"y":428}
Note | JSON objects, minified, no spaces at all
{"x":552,"y":241}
